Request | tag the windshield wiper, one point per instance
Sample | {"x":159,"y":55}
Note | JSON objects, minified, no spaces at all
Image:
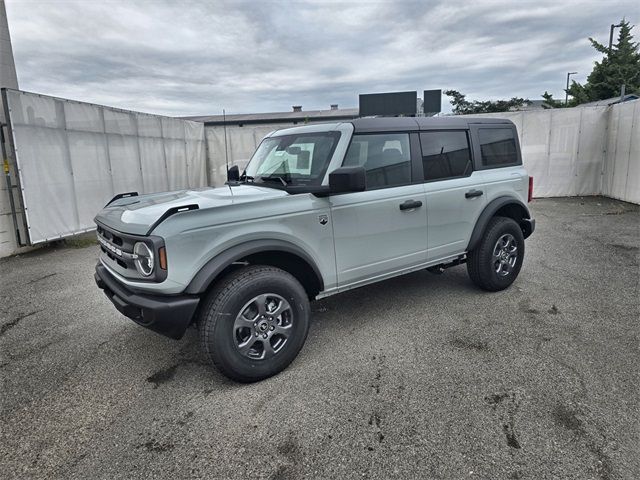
{"x":277,"y":179}
{"x":247,"y":178}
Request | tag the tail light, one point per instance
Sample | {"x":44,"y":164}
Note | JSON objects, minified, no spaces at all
{"x":530,"y":196}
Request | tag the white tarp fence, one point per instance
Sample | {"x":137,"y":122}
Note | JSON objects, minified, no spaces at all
{"x":241,"y":142}
{"x":621,"y":175}
{"x":73,"y":157}
{"x":582,"y":151}
{"x":563,"y":149}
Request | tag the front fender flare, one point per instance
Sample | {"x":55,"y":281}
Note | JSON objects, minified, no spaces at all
{"x":489,"y":211}
{"x":217,"y":264}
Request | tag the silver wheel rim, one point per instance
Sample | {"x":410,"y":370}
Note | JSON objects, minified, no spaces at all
{"x":505,"y":255}
{"x":263,"y":326}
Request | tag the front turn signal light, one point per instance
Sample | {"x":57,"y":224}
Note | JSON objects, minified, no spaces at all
{"x":162,"y":258}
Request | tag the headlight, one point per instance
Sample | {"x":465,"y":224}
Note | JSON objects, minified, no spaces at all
{"x":143,"y":260}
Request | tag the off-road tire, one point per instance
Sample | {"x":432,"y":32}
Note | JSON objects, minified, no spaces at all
{"x":222,"y":306}
{"x":480,"y":261}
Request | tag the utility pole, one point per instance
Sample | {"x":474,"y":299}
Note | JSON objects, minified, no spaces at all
{"x":611,"y":35}
{"x":566,"y":91}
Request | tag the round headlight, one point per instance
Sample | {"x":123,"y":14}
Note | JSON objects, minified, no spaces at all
{"x":144,"y":260}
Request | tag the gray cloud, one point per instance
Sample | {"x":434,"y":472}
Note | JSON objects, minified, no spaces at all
{"x":189,"y":58}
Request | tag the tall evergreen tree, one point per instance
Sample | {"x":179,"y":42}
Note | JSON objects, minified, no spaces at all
{"x":619,"y":66}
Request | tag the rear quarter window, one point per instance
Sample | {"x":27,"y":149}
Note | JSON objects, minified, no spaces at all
{"x":498,"y":147}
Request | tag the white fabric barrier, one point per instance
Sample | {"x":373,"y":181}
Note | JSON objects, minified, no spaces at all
{"x":241,"y":142}
{"x":73,"y":157}
{"x":563,"y":149}
{"x":621,"y":177}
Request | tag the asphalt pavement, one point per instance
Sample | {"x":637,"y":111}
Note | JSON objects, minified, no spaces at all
{"x":422,"y":376}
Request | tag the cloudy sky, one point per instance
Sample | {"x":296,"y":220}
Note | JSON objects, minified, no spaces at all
{"x":198,"y":57}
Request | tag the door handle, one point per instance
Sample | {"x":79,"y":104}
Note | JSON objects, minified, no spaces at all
{"x":473,"y":193}
{"x":410,"y":204}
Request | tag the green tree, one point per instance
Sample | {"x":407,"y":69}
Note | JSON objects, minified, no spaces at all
{"x":619,"y":66}
{"x":550,"y":102}
{"x":462,"y":106}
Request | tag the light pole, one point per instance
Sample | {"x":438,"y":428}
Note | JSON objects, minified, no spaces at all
{"x":611,"y":34}
{"x":566,"y":91}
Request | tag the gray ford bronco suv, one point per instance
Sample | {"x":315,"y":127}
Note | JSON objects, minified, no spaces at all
{"x":319,"y":209}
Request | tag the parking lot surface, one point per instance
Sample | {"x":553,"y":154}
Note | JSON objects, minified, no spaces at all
{"x":422,"y":376}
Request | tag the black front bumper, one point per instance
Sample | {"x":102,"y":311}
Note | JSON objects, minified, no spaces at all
{"x":169,"y":315}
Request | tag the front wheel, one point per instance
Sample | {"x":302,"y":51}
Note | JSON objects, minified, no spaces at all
{"x":496,"y":261}
{"x":254,"y":323}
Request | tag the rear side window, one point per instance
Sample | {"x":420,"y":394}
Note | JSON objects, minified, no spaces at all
{"x":445,"y":155}
{"x":385,"y":157}
{"x":497,"y":147}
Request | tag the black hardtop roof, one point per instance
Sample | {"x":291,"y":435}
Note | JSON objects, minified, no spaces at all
{"x":389,"y":124}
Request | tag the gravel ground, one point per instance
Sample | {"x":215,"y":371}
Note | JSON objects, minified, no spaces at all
{"x":421,"y":376}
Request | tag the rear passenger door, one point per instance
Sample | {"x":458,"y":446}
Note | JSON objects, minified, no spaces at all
{"x":382,"y":229}
{"x":454,"y":191}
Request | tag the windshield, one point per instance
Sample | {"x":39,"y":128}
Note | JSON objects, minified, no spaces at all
{"x":299,"y":159}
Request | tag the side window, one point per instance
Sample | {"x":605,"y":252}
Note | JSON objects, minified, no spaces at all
{"x":498,"y":147}
{"x":385,"y":157}
{"x":445,"y":155}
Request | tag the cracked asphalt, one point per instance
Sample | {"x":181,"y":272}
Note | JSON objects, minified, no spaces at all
{"x":422,"y":376}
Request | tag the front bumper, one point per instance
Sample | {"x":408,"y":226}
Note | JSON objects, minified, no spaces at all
{"x":168,"y":315}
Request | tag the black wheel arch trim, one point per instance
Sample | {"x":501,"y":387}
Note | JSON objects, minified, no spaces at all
{"x":527,"y":223}
{"x":208,"y":273}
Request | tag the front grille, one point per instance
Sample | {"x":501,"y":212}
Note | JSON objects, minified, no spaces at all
{"x":110,"y":236}
{"x":117,"y":253}
{"x":110,"y":255}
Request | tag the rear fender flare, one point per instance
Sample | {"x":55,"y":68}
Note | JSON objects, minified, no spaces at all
{"x":489,"y":211}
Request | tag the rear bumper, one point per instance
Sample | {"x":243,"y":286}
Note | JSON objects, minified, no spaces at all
{"x":528,"y":226}
{"x":168,"y":315}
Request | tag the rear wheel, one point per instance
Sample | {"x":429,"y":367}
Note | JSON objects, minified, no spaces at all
{"x":495,"y":263}
{"x":254,"y":323}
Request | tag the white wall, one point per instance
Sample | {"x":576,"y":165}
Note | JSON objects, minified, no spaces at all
{"x":241,"y":142}
{"x":74,"y":157}
{"x":621,"y":172}
{"x":8,"y":79}
{"x":563,"y":149}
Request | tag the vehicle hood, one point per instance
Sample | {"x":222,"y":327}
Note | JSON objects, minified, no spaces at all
{"x":138,"y":215}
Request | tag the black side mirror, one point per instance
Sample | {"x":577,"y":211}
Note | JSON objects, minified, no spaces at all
{"x":348,"y":179}
{"x":233,"y":174}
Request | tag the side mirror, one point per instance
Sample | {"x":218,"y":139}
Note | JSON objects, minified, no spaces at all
{"x":348,"y":179}
{"x":233,"y":174}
